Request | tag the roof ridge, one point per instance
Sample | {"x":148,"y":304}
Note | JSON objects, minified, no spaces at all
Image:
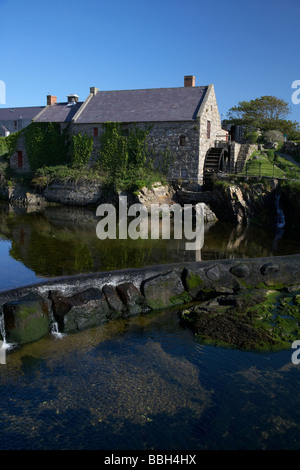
{"x":153,"y":89}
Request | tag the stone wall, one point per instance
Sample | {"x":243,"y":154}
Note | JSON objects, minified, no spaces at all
{"x":180,"y":138}
{"x":13,"y":125}
{"x":72,"y":193}
{"x":80,"y":302}
{"x":208,"y":112}
{"x":14,"y":163}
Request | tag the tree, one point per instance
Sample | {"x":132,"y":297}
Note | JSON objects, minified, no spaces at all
{"x":265,"y":113}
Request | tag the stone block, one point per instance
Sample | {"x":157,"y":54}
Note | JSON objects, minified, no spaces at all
{"x":114,"y":301}
{"x":165,"y":290}
{"x":80,"y":311}
{"x":131,"y":297}
{"x":26,"y":319}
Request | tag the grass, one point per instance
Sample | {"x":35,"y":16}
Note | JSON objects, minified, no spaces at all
{"x":271,"y":165}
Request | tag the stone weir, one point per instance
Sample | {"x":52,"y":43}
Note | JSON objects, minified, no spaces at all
{"x":75,"y":303}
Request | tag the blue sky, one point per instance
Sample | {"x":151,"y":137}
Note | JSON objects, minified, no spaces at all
{"x":246,"y":49}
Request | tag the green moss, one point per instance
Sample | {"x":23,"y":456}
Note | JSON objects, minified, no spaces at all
{"x":194,"y":281}
{"x":183,"y":298}
{"x":262,"y":320}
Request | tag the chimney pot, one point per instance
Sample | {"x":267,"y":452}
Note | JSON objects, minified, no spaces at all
{"x":73,"y":98}
{"x":51,"y":100}
{"x":189,"y":80}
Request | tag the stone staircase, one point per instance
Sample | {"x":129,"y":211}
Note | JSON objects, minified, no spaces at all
{"x":245,"y":151}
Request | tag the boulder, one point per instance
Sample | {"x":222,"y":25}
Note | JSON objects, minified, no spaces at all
{"x":26,"y":319}
{"x":80,"y":311}
{"x":165,"y":290}
{"x":131,"y":297}
{"x":72,"y":193}
{"x":114,"y":301}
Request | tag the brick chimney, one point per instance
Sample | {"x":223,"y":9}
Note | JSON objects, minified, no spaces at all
{"x":189,"y":80}
{"x":93,"y":90}
{"x":51,"y":100}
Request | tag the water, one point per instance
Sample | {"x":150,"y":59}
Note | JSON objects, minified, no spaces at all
{"x":62,"y":241}
{"x":280,"y":223}
{"x":144,"y":382}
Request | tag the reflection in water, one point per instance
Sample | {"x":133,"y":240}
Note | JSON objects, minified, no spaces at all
{"x":62,"y":241}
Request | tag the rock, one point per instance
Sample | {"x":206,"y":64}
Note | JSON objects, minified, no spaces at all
{"x":83,"y":310}
{"x":165,"y":290}
{"x":113,"y":300}
{"x":158,"y":194}
{"x":209,"y":215}
{"x":269,"y":268}
{"x":270,"y":145}
{"x":240,"y":270}
{"x":213,"y":273}
{"x":35,"y":199}
{"x":131,"y":297}
{"x":194,"y":283}
{"x":26,"y":319}
{"x":73,"y":193}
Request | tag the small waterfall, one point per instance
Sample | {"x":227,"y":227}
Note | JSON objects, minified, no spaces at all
{"x":54,"y":327}
{"x":55,"y":332}
{"x":280,"y":222}
{"x":4,"y":346}
{"x":280,"y":219}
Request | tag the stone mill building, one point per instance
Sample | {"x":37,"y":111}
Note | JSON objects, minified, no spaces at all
{"x":185,"y":120}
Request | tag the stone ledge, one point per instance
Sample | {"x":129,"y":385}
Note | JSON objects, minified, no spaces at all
{"x":83,"y":301}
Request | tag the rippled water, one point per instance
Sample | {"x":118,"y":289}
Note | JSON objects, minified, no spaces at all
{"x":144,"y":382}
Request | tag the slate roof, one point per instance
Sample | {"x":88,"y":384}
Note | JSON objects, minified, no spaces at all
{"x":59,"y":112}
{"x":150,"y":105}
{"x":13,"y":114}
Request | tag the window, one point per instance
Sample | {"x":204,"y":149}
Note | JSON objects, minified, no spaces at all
{"x":95,"y":131}
{"x":182,"y":140}
{"x":20,"y":159}
{"x":15,"y":124}
{"x":184,"y":173}
{"x":208,"y":129}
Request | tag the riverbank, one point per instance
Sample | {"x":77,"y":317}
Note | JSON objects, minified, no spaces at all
{"x":238,"y":200}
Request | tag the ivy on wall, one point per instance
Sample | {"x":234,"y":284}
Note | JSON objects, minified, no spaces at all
{"x":46,"y":145}
{"x":8,"y":144}
{"x":80,"y":150}
{"x":126,"y":158}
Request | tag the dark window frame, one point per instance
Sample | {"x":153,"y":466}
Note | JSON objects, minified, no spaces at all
{"x":20,"y":159}
{"x":182,"y":140}
{"x":208,"y":130}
